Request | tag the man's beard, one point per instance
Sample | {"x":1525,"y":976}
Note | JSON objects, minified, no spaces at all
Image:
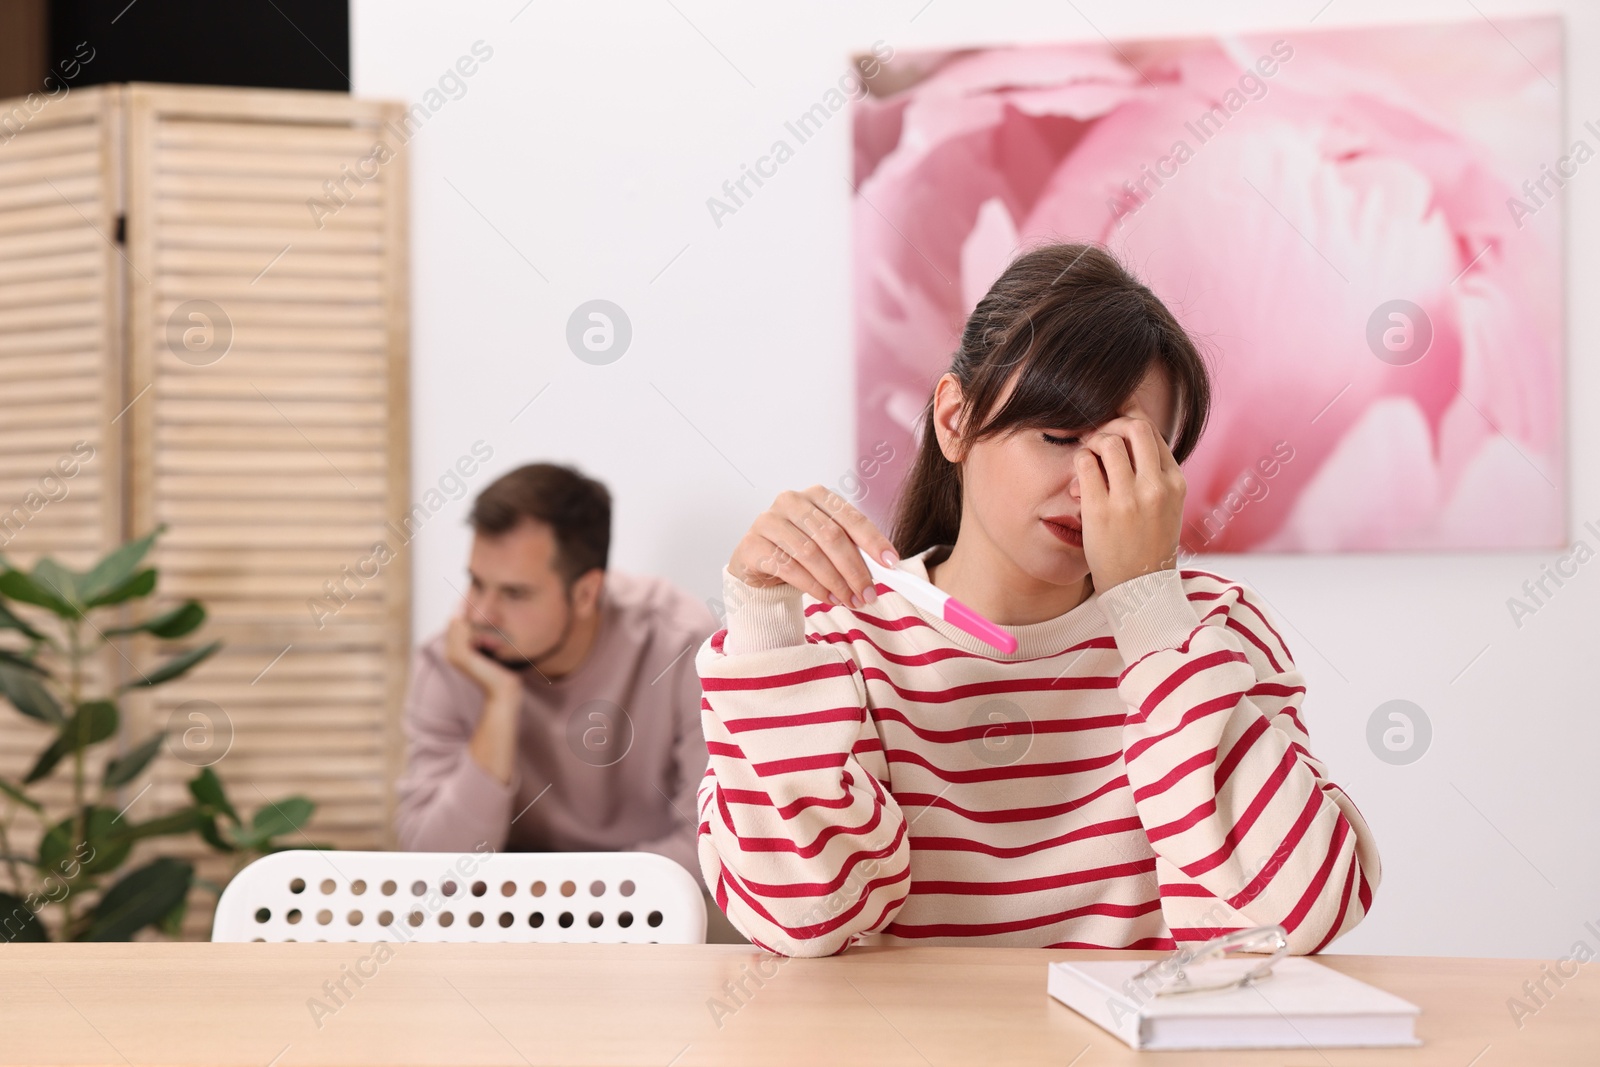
{"x":522,"y":663}
{"x":509,"y":662}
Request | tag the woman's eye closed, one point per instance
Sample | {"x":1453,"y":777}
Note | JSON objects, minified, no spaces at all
{"x":1061,"y":440}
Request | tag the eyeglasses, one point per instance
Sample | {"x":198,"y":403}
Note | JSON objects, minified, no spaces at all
{"x":1207,"y":967}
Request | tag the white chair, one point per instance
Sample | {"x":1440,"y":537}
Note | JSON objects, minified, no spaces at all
{"x":607,"y":897}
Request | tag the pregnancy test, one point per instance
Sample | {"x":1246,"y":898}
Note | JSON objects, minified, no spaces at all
{"x":936,"y":601}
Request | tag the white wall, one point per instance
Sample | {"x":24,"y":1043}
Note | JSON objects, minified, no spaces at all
{"x":584,"y":151}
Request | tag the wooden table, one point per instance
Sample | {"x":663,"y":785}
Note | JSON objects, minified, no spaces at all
{"x":658,"y":1005}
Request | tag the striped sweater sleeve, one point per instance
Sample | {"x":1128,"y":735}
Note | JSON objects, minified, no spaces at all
{"x":802,"y":846}
{"x":1246,"y":827}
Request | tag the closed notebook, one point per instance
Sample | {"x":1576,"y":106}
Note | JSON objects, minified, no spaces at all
{"x":1301,"y":1004}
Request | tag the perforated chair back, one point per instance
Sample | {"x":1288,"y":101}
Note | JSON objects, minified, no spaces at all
{"x":607,"y":897}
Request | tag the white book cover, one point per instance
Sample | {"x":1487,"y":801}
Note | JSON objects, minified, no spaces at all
{"x":1301,"y":1004}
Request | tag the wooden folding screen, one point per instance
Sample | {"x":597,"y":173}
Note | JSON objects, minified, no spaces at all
{"x":263,"y":317}
{"x":61,"y":360}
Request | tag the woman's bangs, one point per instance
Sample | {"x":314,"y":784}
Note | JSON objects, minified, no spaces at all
{"x":1062,"y":389}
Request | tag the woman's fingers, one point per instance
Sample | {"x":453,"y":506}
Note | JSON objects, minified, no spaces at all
{"x":803,"y":562}
{"x":1169,"y":462}
{"x":822,"y":517}
{"x":1145,"y":445}
{"x":862,"y":531}
{"x":1149,"y":449}
{"x":781,"y":563}
{"x":1154,"y":467}
{"x":813,"y":540}
{"x":1112,"y":450}
{"x":1092,"y":487}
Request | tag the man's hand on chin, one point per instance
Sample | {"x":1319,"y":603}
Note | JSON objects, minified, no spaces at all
{"x":492,"y":677}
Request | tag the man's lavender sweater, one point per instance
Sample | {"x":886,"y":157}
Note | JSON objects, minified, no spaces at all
{"x":608,"y":757}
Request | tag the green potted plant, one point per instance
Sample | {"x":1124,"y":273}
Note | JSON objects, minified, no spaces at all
{"x":73,"y":887}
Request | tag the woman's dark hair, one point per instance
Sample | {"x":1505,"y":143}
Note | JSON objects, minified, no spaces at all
{"x":576,"y":508}
{"x":1081,"y":332}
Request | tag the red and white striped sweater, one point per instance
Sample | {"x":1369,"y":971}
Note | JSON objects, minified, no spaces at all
{"x":1135,"y":775}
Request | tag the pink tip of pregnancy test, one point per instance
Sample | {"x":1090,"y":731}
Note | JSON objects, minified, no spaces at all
{"x":959,"y":614}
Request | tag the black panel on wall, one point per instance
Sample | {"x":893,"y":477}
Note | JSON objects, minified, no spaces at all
{"x":279,"y":44}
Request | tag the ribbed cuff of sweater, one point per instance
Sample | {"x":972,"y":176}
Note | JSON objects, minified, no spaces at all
{"x":1149,"y":613}
{"x":761,"y":618}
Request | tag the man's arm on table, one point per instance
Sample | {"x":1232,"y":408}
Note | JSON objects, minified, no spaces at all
{"x":458,"y":785}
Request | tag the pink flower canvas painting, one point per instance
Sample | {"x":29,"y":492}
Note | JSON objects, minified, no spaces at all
{"x":1361,"y":227}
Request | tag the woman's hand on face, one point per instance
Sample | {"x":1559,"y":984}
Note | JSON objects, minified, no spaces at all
{"x":1131,"y":491}
{"x":809,"y":539}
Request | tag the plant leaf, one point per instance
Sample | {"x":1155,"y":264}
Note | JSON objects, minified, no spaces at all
{"x":18,"y":922}
{"x":206,"y":787}
{"x":175,"y":666}
{"x":281,"y":817}
{"x":181,"y":821}
{"x":141,"y":584}
{"x":17,"y":660}
{"x":10,"y":620}
{"x":116,"y":567}
{"x":109,"y":847}
{"x":28,"y":695}
{"x":62,"y":583}
{"x":211,"y":836}
{"x":124,"y":769}
{"x":90,"y":724}
{"x":20,"y":797}
{"x":143,"y":897}
{"x":169,"y":625}
{"x":18,"y":586}
{"x":171,"y":924}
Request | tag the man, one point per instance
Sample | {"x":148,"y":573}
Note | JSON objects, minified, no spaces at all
{"x":560,"y":709}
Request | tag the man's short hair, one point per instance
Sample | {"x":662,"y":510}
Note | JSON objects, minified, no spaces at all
{"x":575,"y":507}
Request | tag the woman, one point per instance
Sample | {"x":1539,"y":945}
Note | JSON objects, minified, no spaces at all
{"x":1135,"y":775}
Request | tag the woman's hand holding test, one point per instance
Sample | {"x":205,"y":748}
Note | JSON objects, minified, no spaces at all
{"x":809,"y":540}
